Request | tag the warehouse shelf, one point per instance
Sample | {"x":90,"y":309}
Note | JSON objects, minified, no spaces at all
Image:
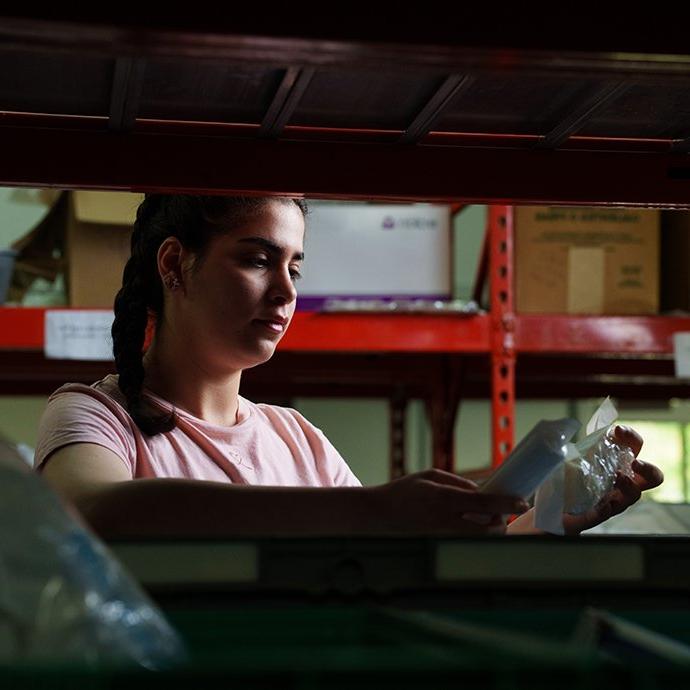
{"x":589,"y":335}
{"x":367,"y":110}
{"x":22,"y":328}
{"x":418,"y":115}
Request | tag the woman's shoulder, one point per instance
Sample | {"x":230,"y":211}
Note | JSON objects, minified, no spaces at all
{"x":79,"y":413}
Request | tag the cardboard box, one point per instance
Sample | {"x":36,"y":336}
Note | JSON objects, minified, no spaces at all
{"x":675,"y":261}
{"x":97,"y":245}
{"x":376,"y":251}
{"x":586,"y":260}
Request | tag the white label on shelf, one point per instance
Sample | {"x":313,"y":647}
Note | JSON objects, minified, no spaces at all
{"x":72,"y":334}
{"x":681,"y":351}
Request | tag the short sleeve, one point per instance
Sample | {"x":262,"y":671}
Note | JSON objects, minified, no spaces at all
{"x":337,"y":468}
{"x":331,"y":466}
{"x":84,"y":417}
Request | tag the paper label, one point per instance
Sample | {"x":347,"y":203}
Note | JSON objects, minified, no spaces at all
{"x":83,"y":335}
{"x":681,"y":351}
{"x":586,"y":271}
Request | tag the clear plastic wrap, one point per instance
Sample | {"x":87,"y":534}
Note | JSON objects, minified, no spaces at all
{"x":591,"y":474}
{"x":587,"y":475}
{"x":539,"y":453}
{"x":63,"y":596}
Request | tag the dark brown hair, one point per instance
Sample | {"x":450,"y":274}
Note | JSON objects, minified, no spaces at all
{"x":194,"y":221}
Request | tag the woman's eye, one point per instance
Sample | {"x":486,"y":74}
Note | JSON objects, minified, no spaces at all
{"x":295,"y":274}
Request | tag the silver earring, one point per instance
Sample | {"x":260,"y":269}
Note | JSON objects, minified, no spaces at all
{"x":172,"y":282}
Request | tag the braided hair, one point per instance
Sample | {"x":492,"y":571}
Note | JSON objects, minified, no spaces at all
{"x":193,"y":220}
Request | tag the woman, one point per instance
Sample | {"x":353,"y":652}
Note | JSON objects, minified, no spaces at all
{"x":217,"y":275}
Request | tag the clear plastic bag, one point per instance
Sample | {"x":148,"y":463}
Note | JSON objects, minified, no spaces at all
{"x":591,"y":474}
{"x":587,"y":475}
{"x":63,"y":596}
{"x":539,"y":453}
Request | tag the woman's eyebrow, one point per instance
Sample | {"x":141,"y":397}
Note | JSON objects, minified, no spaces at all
{"x":271,"y":247}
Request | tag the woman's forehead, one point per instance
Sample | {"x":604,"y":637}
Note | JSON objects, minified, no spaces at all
{"x":276,"y":222}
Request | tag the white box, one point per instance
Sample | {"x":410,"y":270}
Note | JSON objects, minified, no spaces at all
{"x":376,"y":251}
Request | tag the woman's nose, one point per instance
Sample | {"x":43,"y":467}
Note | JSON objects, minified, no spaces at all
{"x":283,"y":289}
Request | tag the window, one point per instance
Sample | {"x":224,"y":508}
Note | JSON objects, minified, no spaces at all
{"x":666,"y":444}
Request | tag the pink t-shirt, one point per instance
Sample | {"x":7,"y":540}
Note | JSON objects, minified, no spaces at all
{"x":269,"y":446}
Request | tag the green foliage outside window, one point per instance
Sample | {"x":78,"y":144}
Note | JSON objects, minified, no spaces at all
{"x":666,"y":444}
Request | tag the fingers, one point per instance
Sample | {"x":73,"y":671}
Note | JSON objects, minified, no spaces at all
{"x":464,"y":494}
{"x":626,"y":492}
{"x":629,"y":492}
{"x":650,"y":475}
{"x":626,"y":436}
{"x":448,"y":479}
{"x":437,"y":502}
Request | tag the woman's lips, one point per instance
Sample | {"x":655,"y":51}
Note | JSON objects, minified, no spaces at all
{"x":274,"y":326}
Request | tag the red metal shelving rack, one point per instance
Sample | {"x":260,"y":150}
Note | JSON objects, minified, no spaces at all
{"x":500,"y":234}
{"x":22,"y":329}
{"x":611,"y":140}
{"x":502,"y":336}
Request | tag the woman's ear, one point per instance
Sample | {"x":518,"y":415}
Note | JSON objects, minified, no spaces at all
{"x":170,"y":262}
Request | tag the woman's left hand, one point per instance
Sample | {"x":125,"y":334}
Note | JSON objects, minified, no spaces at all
{"x":626,"y":490}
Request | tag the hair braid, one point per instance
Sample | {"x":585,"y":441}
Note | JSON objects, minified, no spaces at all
{"x":139,"y":294}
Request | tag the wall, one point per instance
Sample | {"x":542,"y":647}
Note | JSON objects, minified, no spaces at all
{"x":19,"y":418}
{"x":20,"y":211}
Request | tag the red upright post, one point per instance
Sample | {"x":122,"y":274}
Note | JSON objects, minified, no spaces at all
{"x":500,"y":233}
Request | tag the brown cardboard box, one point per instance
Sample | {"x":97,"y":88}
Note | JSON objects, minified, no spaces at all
{"x":576,"y":260}
{"x":99,"y":228}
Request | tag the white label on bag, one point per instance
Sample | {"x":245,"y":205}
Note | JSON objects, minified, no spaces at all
{"x":681,"y":351}
{"x":85,"y":335}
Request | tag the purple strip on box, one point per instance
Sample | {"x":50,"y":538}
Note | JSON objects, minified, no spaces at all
{"x":316,"y":302}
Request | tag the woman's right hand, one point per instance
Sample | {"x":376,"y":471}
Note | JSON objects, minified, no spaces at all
{"x":434,"y":501}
